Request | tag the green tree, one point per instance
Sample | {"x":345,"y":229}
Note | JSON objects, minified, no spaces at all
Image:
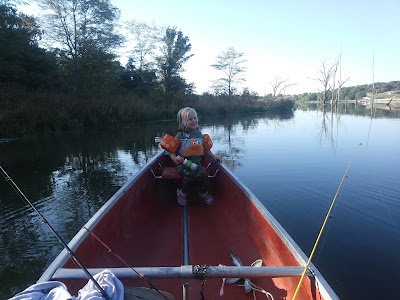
{"x":360,"y":94}
{"x":141,"y":81}
{"x":351,"y":94}
{"x":21,"y":59}
{"x":174,"y":54}
{"x":230,"y":62}
{"x":83,"y":30}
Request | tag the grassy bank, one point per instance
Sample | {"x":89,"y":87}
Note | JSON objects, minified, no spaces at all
{"x":30,"y":113}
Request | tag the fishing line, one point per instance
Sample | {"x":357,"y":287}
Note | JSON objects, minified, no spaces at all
{"x":390,"y":214}
{"x":60,"y":240}
{"x":325,"y":237}
{"x":141,"y":276}
{"x":323,"y":224}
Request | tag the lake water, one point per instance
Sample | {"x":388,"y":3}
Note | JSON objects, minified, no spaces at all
{"x":293,"y":164}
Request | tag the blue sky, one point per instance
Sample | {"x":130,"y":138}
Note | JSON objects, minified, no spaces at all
{"x":286,"y":38}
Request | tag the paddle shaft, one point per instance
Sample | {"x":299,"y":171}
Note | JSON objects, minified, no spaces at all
{"x":60,"y":240}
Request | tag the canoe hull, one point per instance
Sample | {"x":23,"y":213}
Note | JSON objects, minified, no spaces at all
{"x":143,"y":224}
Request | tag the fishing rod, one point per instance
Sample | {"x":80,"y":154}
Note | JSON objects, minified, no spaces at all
{"x":60,"y":240}
{"x":323,"y":225}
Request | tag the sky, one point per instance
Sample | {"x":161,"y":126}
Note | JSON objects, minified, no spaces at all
{"x":287,"y":39}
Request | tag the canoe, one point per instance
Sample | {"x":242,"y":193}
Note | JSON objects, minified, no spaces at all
{"x":144,"y":237}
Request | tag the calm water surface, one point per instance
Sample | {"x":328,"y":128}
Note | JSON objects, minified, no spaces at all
{"x":293,"y":164}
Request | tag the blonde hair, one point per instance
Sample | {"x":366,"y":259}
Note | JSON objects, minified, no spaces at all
{"x":183,"y":117}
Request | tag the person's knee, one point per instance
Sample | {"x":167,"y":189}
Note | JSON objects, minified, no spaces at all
{"x":200,"y":177}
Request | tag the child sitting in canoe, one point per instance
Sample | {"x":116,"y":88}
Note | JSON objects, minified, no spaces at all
{"x":186,"y":150}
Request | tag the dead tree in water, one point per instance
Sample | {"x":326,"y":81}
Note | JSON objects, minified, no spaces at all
{"x":334,"y":70}
{"x":373,"y":81}
{"x":388,"y":104}
{"x":325,"y":75}
{"x":340,"y":81}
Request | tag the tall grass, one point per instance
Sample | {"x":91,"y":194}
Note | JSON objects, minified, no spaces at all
{"x":25,"y":112}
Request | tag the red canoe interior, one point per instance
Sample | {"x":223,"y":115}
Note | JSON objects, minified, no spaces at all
{"x":145,"y":228}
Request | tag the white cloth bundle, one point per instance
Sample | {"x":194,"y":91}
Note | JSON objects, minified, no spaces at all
{"x":55,"y":290}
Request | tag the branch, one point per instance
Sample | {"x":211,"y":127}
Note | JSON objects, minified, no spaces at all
{"x":277,"y":85}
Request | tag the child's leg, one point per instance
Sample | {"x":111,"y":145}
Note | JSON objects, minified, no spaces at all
{"x":201,"y":179}
{"x":187,"y":183}
{"x":189,"y":178}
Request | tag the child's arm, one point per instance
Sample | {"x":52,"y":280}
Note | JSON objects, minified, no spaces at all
{"x":174,"y":158}
{"x":171,"y":144}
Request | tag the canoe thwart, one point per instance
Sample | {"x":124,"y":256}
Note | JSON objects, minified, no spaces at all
{"x":187,"y":272}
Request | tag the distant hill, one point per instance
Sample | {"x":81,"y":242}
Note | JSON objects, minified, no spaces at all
{"x":382,"y":89}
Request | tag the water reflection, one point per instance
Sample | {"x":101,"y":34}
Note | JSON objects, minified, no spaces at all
{"x":352,"y":108}
{"x":229,"y":131}
{"x":331,"y":116}
{"x":68,"y":179}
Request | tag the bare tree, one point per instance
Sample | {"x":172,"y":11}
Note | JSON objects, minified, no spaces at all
{"x":230,"y":62}
{"x":280,"y":85}
{"x":373,"y":79}
{"x":336,"y":96}
{"x":325,"y":75}
{"x":334,"y":71}
{"x":340,"y":85}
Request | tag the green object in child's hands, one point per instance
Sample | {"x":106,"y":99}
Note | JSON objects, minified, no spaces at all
{"x":190,"y":164}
